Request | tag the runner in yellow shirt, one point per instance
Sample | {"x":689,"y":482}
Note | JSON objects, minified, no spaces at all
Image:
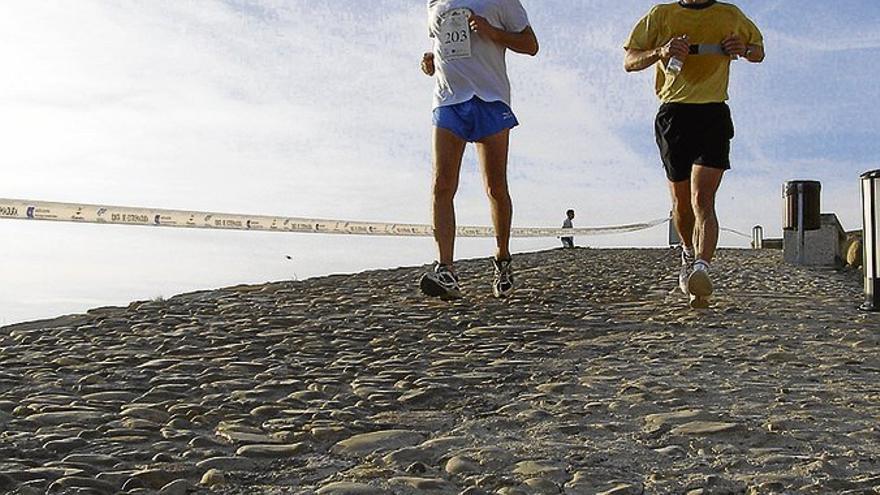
{"x":692,"y":44}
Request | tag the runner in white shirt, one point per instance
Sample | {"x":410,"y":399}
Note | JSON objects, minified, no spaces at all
{"x":472,"y":104}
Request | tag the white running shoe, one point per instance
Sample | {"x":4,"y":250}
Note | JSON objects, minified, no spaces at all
{"x":699,"y":285}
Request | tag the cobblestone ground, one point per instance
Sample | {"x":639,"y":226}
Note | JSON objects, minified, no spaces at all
{"x":594,"y":378}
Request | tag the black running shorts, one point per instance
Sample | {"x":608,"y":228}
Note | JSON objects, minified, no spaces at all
{"x":690,"y":133}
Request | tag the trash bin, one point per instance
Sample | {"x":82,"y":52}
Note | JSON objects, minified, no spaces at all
{"x":811,"y":191}
{"x":758,"y":237}
{"x":871,"y":237}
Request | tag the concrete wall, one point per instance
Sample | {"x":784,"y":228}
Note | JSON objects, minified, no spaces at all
{"x":823,"y":247}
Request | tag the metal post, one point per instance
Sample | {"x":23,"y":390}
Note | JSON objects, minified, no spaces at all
{"x":871,"y":220}
{"x":801,"y":236}
{"x":758,"y":237}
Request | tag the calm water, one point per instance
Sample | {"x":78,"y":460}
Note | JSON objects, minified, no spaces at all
{"x":51,"y":269}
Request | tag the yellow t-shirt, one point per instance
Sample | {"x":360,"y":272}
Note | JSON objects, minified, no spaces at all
{"x":704,"y":78}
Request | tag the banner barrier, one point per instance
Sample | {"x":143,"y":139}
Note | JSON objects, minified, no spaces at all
{"x":736,"y":232}
{"x":17,"y":209}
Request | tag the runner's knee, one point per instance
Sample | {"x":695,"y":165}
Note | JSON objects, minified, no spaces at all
{"x":682,"y":206}
{"x":445,"y":188}
{"x":497,"y":190}
{"x":704,"y":203}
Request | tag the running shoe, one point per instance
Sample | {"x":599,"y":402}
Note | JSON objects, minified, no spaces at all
{"x":440,"y":282}
{"x":700,"y":285}
{"x":687,"y":265}
{"x":502,"y":286}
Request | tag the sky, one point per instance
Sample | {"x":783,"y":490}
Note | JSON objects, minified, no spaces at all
{"x":318,"y":109}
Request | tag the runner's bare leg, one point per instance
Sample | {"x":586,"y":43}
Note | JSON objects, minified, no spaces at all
{"x":683,"y":211}
{"x":704,"y":184}
{"x":448,"y":150}
{"x":492,"y":153}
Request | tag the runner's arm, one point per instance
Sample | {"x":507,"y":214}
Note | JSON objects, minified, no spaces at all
{"x":428,"y":63}
{"x":637,"y":60}
{"x":734,"y":45}
{"x":755,"y":54}
{"x":523,"y":42}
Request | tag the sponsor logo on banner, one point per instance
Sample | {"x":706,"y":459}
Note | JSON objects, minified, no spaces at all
{"x":78,"y":215}
{"x":40,"y":213}
{"x":132,"y":218}
{"x":302,"y":227}
{"x":164,"y":220}
{"x":228,"y":223}
{"x":101,"y":212}
{"x":8,"y":211}
{"x":192,"y":221}
{"x":357,"y":229}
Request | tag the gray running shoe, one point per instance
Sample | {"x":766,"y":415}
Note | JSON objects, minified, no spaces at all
{"x":440,"y":282}
{"x":687,"y":265}
{"x":502,"y":286}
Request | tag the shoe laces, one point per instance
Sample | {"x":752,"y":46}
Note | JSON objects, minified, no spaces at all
{"x":687,"y":259}
{"x":445,"y":272}
{"x":502,"y":267}
{"x":503,"y":274}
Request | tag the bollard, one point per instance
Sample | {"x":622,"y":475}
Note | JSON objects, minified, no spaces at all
{"x":802,"y":210}
{"x":871,"y":219}
{"x":758,"y":237}
{"x":800,"y":225}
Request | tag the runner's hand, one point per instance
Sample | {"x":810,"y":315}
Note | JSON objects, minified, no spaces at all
{"x":677,"y":47}
{"x":482,"y":27}
{"x":428,"y":64}
{"x":734,"y":46}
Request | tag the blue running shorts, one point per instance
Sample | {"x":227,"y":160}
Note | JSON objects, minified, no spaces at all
{"x":475,"y":119}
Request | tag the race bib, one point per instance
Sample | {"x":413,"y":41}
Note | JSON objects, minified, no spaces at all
{"x":455,"y":34}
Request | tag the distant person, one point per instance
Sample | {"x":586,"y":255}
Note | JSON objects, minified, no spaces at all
{"x":472,"y":104}
{"x":692,"y":43}
{"x":568,"y":242}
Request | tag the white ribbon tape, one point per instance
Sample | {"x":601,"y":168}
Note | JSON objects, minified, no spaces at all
{"x":736,"y":232}
{"x":123,"y":215}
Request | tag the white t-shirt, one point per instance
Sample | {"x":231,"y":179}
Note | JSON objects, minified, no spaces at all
{"x":467,"y":64}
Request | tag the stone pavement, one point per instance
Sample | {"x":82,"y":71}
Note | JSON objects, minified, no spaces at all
{"x":594,"y":378}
